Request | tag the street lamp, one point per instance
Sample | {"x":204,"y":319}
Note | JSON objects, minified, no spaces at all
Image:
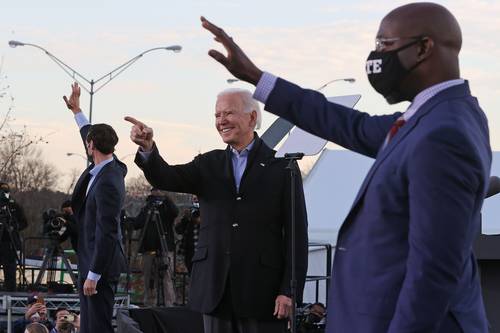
{"x":76,"y":154}
{"x":349,"y":79}
{"x":125,"y":156}
{"x":79,"y":155}
{"x":94,"y":86}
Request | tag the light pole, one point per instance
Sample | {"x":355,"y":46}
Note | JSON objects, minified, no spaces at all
{"x":94,"y":85}
{"x":76,"y":154}
{"x":349,"y":79}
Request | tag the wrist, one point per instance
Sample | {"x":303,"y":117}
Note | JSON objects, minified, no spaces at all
{"x":255,"y":76}
{"x":76,"y":111}
{"x":147,"y":147}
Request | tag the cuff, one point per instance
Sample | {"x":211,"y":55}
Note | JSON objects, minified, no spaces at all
{"x":81,"y":120}
{"x":264,"y":87}
{"x":93,"y":276}
{"x":144,"y":155}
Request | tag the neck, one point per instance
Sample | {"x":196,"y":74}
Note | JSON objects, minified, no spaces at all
{"x":100,"y":157}
{"x":244,"y":143}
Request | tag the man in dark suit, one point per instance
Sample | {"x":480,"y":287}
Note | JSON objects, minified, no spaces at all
{"x":241,"y":268}
{"x":97,"y":202}
{"x":13,"y":219}
{"x":154,"y":259}
{"x":404,"y":260}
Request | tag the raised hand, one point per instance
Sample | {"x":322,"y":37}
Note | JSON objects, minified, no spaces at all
{"x":141,"y":134}
{"x":236,"y":62}
{"x":73,"y":103}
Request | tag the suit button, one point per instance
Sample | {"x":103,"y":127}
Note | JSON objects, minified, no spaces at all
{"x":238,"y":198}
{"x":227,"y":252}
{"x":235,"y":225}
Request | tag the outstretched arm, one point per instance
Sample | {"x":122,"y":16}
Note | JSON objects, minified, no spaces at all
{"x":307,"y":109}
{"x":73,"y":104}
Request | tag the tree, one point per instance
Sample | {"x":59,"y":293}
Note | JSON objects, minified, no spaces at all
{"x":21,"y":163}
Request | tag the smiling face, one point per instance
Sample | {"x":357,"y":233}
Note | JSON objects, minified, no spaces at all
{"x":235,"y":126}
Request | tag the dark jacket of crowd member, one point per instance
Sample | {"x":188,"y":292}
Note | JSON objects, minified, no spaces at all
{"x":168,"y":212}
{"x":189,"y":227}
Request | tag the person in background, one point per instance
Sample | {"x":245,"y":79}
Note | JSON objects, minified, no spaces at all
{"x":188,"y":228}
{"x":36,"y":312}
{"x":8,"y":244}
{"x":36,"y":328}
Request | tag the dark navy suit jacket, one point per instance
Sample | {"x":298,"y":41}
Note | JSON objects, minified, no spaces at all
{"x":98,"y":218}
{"x":404,"y":260}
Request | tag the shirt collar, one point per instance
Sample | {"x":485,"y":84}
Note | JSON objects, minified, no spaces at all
{"x":427,"y":94}
{"x":98,"y":167}
{"x":245,"y":150}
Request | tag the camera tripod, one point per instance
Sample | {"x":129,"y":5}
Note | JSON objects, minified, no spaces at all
{"x":50,"y":260}
{"x":6,"y":225}
{"x":153,"y":217}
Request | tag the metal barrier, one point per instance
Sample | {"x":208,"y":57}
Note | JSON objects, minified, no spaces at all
{"x":328,"y":269}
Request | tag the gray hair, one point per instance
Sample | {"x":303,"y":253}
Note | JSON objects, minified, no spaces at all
{"x":249,"y":103}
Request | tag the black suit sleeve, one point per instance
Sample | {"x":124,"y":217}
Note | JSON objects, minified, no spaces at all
{"x":109,"y":200}
{"x":183,"y":178}
{"x":301,"y":239}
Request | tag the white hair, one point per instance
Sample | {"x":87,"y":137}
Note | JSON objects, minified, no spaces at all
{"x":249,"y":103}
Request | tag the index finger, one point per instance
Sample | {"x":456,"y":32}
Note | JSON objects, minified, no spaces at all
{"x":134,"y":121}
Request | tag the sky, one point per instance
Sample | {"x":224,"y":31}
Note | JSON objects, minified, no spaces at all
{"x":307,"y":42}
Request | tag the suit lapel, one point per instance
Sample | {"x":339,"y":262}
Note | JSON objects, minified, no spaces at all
{"x":228,"y":169}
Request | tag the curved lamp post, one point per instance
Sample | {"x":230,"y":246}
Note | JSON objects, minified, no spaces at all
{"x":94,"y":85}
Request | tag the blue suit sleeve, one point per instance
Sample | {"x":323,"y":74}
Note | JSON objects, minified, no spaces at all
{"x":445,"y":188}
{"x":109,"y":199}
{"x":311,"y":111}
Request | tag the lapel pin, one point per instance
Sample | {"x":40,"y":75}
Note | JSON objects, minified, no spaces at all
{"x":262,"y":165}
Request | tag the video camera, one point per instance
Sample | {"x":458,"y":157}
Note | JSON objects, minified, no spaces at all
{"x":4,"y":198}
{"x":54,"y":223}
{"x":5,"y":213}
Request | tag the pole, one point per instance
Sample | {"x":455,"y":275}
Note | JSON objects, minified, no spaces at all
{"x":292,"y":161}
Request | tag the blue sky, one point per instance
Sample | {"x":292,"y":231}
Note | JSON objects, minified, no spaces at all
{"x":308,"y":42}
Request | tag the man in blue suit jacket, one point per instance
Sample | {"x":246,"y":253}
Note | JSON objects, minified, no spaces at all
{"x":97,"y":202}
{"x":404,"y":260}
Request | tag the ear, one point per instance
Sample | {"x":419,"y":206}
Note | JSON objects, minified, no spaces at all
{"x":253,"y":118}
{"x":426,"y":47}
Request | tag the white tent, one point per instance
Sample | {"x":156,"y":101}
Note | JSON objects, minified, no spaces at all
{"x":330,"y":189}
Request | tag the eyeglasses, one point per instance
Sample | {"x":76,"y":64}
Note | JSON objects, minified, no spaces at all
{"x":381,"y":42}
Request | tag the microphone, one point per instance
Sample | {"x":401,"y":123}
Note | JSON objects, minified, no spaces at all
{"x":494,"y":187}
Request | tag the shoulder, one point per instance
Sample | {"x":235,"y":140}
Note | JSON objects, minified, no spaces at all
{"x":211,"y":156}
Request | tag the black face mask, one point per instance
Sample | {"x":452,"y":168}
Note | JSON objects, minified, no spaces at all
{"x":385,"y":73}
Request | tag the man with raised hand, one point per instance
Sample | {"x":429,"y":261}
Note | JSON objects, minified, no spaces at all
{"x":240,"y":278}
{"x":404,"y":260}
{"x":97,"y":202}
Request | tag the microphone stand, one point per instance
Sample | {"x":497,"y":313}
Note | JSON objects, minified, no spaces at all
{"x":292,"y":159}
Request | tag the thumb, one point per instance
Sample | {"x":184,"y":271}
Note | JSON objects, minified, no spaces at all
{"x":219,"y":57}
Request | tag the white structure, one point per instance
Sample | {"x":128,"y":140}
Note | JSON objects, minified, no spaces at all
{"x":330,"y":189}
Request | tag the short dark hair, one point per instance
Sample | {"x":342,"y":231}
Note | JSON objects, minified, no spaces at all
{"x":54,"y":315}
{"x":104,"y":138}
